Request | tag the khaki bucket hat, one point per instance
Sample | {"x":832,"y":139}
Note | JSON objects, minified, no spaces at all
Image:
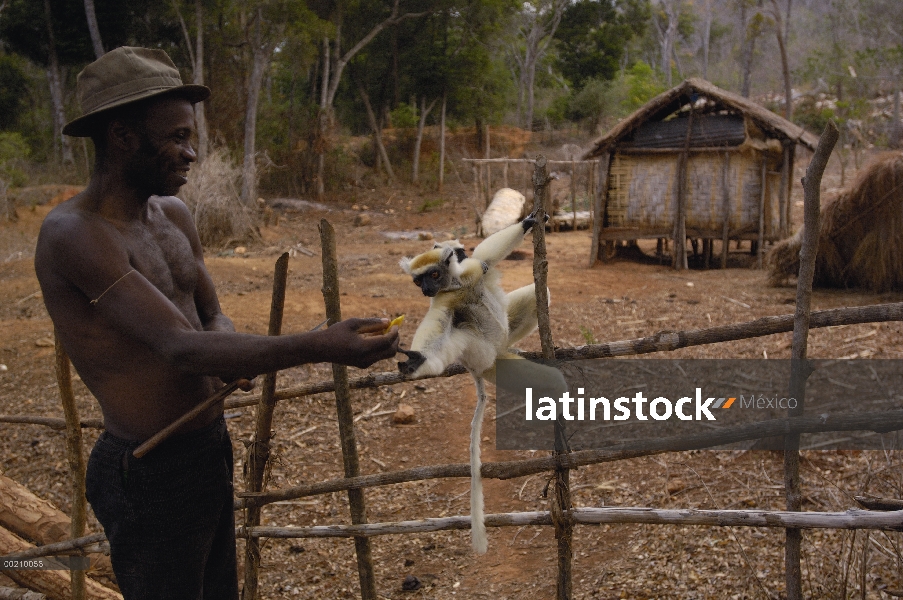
{"x":123,"y":76}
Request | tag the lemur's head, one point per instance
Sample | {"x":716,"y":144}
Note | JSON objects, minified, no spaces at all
{"x":436,"y":270}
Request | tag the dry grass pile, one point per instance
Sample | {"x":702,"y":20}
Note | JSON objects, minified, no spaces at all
{"x":860,"y":243}
{"x":212,"y":195}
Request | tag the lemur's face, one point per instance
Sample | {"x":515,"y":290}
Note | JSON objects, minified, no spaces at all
{"x":436,"y":270}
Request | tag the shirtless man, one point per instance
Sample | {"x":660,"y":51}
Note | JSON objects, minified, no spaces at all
{"x":122,"y":273}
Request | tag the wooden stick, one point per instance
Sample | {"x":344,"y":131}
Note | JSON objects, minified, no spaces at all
{"x":800,"y":369}
{"x":156,"y":439}
{"x":259,"y":450}
{"x":879,"y":422}
{"x":879,"y":503}
{"x":851,"y":519}
{"x":346,"y":415}
{"x":52,"y":422}
{"x":61,"y":548}
{"x":75,"y":457}
{"x":561,"y":497}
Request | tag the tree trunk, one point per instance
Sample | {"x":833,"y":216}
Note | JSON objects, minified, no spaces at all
{"x":896,"y":129}
{"x":785,"y":66}
{"x":377,"y":132}
{"x":751,"y":32}
{"x":323,"y":122}
{"x":200,"y":116}
{"x":529,"y":77}
{"x":424,"y":111}
{"x":260,"y":59}
{"x":93,"y":29}
{"x":442,"y":141}
{"x":668,"y":40}
{"x":54,"y":584}
{"x":56,"y":94}
{"x":706,"y":39}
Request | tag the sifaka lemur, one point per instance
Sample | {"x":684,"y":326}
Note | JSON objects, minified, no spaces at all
{"x":471,"y":321}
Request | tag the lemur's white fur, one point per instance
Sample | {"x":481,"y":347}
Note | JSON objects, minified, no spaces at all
{"x":472,"y":322}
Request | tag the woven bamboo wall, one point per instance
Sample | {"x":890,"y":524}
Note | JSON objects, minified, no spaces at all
{"x":642,"y":192}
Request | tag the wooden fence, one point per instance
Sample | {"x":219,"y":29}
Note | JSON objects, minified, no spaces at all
{"x":561,"y":515}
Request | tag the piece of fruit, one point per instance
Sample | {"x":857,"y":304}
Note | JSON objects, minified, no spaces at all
{"x":396,"y":321}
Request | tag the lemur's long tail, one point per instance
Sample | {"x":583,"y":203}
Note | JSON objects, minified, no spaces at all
{"x":478,"y":537}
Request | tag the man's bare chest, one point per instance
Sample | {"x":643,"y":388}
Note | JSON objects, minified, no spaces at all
{"x":162,"y":254}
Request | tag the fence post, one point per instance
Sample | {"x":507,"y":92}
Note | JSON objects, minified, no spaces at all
{"x":345,"y":415}
{"x":561,"y":494}
{"x":76,"y":460}
{"x":800,"y":368}
{"x":259,"y":450}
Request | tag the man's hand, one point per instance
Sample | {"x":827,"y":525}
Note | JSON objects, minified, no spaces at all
{"x":359,"y":342}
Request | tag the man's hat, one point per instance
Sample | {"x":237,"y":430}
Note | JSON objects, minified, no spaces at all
{"x":123,"y":76}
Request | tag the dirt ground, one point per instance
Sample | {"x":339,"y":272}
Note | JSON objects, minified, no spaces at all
{"x":623,"y":299}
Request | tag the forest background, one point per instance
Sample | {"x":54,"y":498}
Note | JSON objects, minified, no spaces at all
{"x":312,"y":97}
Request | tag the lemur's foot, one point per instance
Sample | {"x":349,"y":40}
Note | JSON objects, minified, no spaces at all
{"x":530,"y":221}
{"x":415,"y":360}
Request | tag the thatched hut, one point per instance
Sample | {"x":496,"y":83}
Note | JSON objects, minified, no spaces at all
{"x":696,"y":162}
{"x":860,"y":240}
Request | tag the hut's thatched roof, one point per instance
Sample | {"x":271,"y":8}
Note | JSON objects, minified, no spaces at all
{"x":670,"y":101}
{"x":860,"y":240}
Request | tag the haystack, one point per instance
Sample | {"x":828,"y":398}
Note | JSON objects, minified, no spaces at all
{"x":860,"y":242}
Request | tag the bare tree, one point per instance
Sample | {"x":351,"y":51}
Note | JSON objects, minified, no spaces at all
{"x":707,"y":37}
{"x":381,"y":155}
{"x":667,"y":34}
{"x":196,"y":56}
{"x":539,"y":20}
{"x":334,"y":63}
{"x":752,"y":28}
{"x":93,"y":29}
{"x":424,"y":111}
{"x":780,"y":33}
{"x":56,"y":91}
{"x":262,"y":47}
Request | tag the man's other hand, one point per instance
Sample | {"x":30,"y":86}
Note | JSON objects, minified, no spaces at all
{"x":360,"y":342}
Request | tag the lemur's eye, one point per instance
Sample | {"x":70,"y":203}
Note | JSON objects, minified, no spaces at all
{"x":435,"y":274}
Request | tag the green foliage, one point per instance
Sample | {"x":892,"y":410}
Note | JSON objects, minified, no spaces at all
{"x":13,"y":91}
{"x":430,"y":204}
{"x":13,"y":153}
{"x":404,"y":116}
{"x":593,"y":34}
{"x":590,"y":104}
{"x":587,"y":334}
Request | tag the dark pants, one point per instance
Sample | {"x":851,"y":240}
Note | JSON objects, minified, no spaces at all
{"x":168,"y":516}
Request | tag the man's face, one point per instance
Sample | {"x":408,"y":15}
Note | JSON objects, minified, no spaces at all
{"x":161,"y":163}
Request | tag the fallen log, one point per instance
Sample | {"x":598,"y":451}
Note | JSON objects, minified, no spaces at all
{"x":39,"y":521}
{"x":8,"y":593}
{"x":851,"y":519}
{"x":29,"y":516}
{"x":54,"y":584}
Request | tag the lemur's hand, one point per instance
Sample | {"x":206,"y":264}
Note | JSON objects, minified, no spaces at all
{"x":530,"y":221}
{"x":415,"y":359}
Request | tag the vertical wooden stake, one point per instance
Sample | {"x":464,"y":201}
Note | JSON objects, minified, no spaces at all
{"x":761,"y":244}
{"x":800,"y":368}
{"x":561,"y":496}
{"x":599,"y":199}
{"x":574,"y":194}
{"x":345,"y":414}
{"x":680,"y":217}
{"x":76,"y":460}
{"x":259,"y":452}
{"x":442,"y":143}
{"x":726,"y":208}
